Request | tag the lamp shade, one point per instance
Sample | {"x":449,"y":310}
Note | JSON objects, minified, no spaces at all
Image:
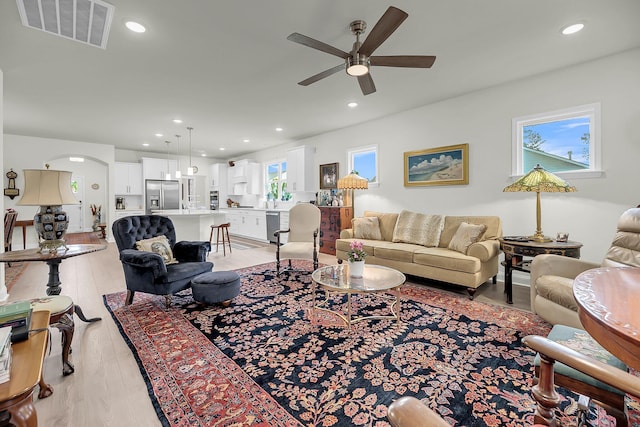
{"x":47,"y":188}
{"x":353,"y":181}
{"x":540,"y":180}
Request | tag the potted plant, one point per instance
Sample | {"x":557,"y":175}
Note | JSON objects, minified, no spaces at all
{"x":356,"y":256}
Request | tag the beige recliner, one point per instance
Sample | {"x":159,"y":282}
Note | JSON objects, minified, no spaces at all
{"x":552,"y":275}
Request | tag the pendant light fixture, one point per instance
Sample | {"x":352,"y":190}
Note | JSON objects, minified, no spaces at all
{"x":167,"y":176}
{"x":178,"y":173}
{"x":190,"y":166}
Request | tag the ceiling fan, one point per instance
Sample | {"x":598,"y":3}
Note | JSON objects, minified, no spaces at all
{"x":358,"y":61}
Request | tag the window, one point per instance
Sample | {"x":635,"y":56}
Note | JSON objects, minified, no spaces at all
{"x":566,"y":142}
{"x":364,"y":160}
{"x":276,"y":181}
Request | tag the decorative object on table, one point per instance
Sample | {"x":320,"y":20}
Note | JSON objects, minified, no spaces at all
{"x":329,"y":176}
{"x":562,"y":237}
{"x":352,"y":182}
{"x":11,"y":191}
{"x":96,"y":211}
{"x":356,"y":256}
{"x":49,"y":189}
{"x":540,"y":180}
{"x":437,"y":166}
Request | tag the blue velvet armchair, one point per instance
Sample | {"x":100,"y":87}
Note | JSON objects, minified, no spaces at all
{"x":147,"y":271}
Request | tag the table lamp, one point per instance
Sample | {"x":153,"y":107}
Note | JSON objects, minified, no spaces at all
{"x":540,"y":180}
{"x":49,"y":189}
{"x":351,"y":182}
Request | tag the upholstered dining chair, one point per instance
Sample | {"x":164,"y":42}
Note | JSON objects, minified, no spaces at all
{"x":165,"y":269}
{"x":10,"y":217}
{"x":304,"y":225}
{"x":552,"y":275}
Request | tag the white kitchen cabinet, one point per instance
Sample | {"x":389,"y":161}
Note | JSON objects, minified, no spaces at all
{"x":128,"y":212}
{"x":300,"y":169}
{"x":153,"y":168}
{"x":244,"y":178}
{"x":128,"y":179}
{"x":247,"y":223}
{"x":218,"y":176}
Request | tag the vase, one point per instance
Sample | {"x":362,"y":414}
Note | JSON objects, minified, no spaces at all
{"x":356,"y":268}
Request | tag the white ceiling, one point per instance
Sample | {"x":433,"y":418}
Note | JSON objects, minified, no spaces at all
{"x":227,"y":69}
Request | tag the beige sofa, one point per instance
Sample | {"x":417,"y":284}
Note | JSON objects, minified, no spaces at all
{"x":469,"y":267}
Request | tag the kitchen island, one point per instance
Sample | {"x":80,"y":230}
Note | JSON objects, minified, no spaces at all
{"x":193,"y":224}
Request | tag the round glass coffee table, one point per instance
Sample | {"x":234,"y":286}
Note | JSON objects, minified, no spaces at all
{"x":384,"y":282}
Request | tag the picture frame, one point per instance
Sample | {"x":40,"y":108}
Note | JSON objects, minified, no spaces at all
{"x":329,"y":176}
{"x":447,"y":165}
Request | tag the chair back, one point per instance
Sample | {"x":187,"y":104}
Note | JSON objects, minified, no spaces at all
{"x":625,"y":248}
{"x":304,"y":220}
{"x":130,"y":229}
{"x":9,"y":224}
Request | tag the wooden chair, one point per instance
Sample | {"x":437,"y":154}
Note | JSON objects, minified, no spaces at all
{"x":544,"y":391}
{"x":9,"y":224}
{"x":225,"y":236}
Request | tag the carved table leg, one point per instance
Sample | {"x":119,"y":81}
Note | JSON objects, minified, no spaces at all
{"x":66,"y":327}
{"x":53,"y":285}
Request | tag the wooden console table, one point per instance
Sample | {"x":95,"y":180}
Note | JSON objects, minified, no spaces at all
{"x":53,"y":260}
{"x":515,"y":252}
{"x":16,"y":395}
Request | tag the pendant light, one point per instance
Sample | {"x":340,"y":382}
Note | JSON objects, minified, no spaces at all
{"x":167,"y":176}
{"x":178,"y":173}
{"x":190,"y":166}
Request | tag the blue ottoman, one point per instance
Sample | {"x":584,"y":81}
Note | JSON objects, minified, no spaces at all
{"x":216,"y":287}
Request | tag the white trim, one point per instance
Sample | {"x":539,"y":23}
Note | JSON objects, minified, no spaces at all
{"x":595,"y":150}
{"x":364,"y":149}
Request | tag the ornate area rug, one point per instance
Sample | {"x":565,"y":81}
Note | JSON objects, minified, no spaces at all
{"x":262,"y":362}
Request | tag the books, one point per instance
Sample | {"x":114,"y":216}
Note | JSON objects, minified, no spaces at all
{"x":5,"y":354}
{"x":15,"y":310}
{"x":21,"y":333}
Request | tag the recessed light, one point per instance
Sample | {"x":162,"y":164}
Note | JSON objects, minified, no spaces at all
{"x":177,"y":121}
{"x":572,"y":29}
{"x":221,"y":148}
{"x":279,"y":129}
{"x":246,"y":140}
{"x":146,"y":144}
{"x":203,"y":155}
{"x":352,"y":104}
{"x":159,"y":135}
{"x":136,"y":27}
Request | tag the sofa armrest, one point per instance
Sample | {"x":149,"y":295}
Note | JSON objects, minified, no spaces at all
{"x":144,"y":261}
{"x":347,"y":233}
{"x":191,"y":251}
{"x":484,"y":250}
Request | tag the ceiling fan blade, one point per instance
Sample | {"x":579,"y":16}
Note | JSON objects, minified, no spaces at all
{"x":315,"y":44}
{"x":411,"y":61}
{"x":386,"y":25}
{"x":322,"y":75}
{"x":366,"y":84}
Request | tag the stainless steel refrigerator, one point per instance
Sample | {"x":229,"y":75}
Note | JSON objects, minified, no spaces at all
{"x":161,"y":195}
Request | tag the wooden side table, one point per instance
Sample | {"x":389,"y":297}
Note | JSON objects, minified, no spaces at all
{"x":16,"y":395}
{"x":515,"y":252}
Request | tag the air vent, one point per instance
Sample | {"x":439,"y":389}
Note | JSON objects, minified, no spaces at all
{"x":85,"y":21}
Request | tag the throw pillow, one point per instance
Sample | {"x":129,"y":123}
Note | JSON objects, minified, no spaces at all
{"x":366,"y":228}
{"x":159,"y":245}
{"x":465,"y":235}
{"x":419,"y":229}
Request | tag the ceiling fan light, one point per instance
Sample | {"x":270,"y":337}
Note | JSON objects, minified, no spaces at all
{"x":357,"y":66}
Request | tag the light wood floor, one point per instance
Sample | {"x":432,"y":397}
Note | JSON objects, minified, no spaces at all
{"x":107,"y":388}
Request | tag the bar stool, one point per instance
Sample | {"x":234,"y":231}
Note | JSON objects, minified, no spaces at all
{"x":225,"y":232}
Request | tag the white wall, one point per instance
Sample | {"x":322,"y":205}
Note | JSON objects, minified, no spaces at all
{"x":27,"y":152}
{"x":483,"y":120}
{"x":3,"y":289}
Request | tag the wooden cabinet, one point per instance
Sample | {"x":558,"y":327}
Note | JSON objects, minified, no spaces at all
{"x":332,"y":221}
{"x":300,"y":170}
{"x":128,"y":179}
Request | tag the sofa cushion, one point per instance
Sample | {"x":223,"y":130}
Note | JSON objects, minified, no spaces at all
{"x":447,"y":259}
{"x":465,"y":236}
{"x":366,"y":228}
{"x":387,"y":222}
{"x":557,"y":289}
{"x":402,"y":252}
{"x":417,"y":228}
{"x":451,"y":224}
{"x":158,"y":245}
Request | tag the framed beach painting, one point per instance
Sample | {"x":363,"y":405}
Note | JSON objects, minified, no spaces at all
{"x":329,"y":176}
{"x":437,"y":166}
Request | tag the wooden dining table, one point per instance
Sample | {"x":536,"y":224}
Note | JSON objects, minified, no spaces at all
{"x":609,"y":308}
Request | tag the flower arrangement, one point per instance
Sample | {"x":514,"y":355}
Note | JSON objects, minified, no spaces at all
{"x":356,"y":253}
{"x":95,"y":210}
